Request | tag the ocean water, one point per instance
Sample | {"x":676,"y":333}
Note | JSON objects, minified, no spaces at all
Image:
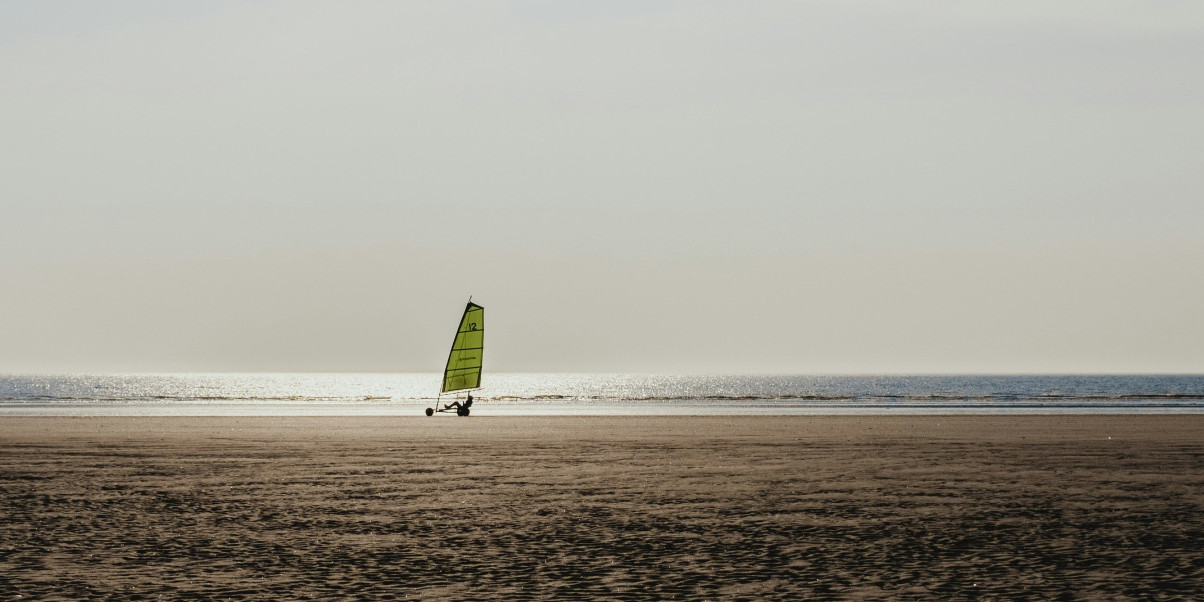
{"x":592,"y":394}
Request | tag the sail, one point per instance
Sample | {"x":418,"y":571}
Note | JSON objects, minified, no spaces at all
{"x":464,"y":364}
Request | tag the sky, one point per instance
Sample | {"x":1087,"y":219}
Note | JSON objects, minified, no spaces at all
{"x":626,"y":186}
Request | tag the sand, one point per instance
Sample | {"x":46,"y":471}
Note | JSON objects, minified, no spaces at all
{"x":1094,"y":507}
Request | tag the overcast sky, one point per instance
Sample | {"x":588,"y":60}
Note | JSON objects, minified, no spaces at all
{"x":643,"y":186}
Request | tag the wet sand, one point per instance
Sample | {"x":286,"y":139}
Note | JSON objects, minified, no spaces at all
{"x":1092,"y":507}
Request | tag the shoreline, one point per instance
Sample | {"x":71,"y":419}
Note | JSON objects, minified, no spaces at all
{"x":725,"y":410}
{"x":1162,"y":427}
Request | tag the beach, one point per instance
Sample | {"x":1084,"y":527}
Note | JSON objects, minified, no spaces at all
{"x":614,"y":507}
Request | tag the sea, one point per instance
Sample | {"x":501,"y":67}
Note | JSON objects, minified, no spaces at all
{"x":409,"y":394}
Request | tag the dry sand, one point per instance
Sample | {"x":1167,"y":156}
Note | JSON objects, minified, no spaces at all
{"x":1096,"y":507}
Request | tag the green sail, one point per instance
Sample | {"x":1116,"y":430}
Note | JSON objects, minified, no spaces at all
{"x":464,"y":364}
